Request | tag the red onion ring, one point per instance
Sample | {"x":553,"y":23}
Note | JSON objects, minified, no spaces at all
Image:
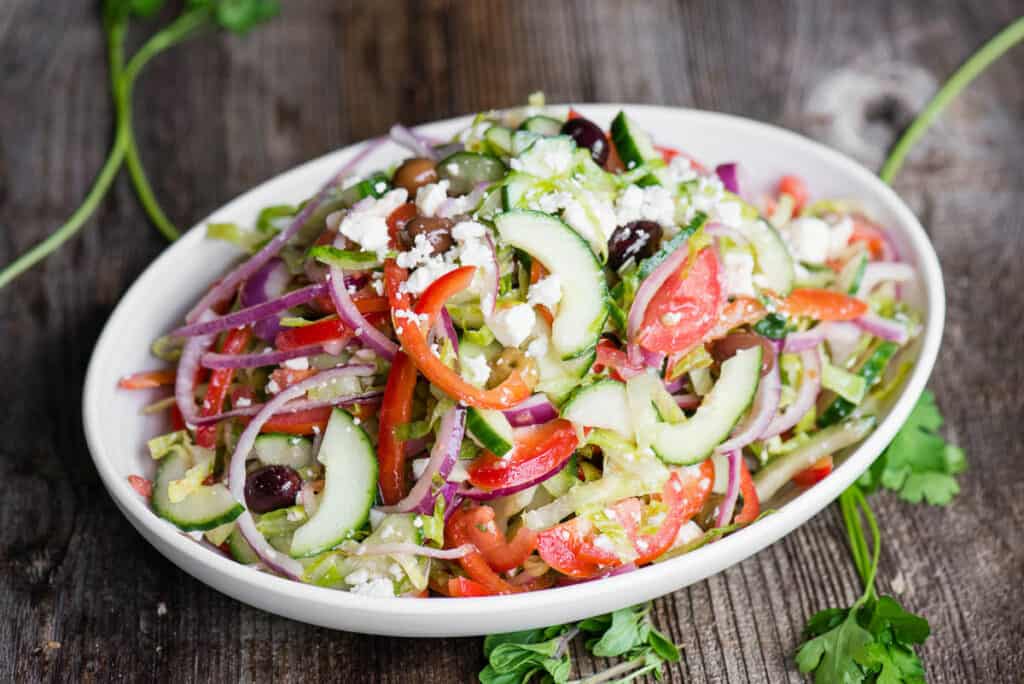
{"x":766,"y":403}
{"x":720,"y":230}
{"x":420,"y":498}
{"x":405,"y":548}
{"x":291,"y":407}
{"x":880,"y":271}
{"x":810,"y":385}
{"x":802,"y":341}
{"x":535,"y":410}
{"x":411,"y":141}
{"x":732,"y":492}
{"x":266,"y":284}
{"x":351,"y":316}
{"x":251,"y":314}
{"x":270,"y":358}
{"x":884,"y":328}
{"x":730,"y":176}
{"x":275,"y":560}
{"x":185,"y":378}
{"x":229,"y":283}
{"x":687,"y":401}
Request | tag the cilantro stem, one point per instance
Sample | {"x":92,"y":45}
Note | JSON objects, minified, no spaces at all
{"x":611,"y":672}
{"x":979,"y":61}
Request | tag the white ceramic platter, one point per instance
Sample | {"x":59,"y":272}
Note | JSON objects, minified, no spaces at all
{"x":117,"y":432}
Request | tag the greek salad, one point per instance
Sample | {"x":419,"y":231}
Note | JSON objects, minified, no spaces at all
{"x":539,"y":353}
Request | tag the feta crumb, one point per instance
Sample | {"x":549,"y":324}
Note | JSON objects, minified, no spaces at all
{"x":512,"y":325}
{"x":273,"y":387}
{"x":546,"y":158}
{"x":730,"y":213}
{"x":602,"y":542}
{"x":417,"y":522}
{"x":653,"y":203}
{"x":810,"y":239}
{"x":468,"y":230}
{"x":538,"y":348}
{"x":379,"y":588}
{"x":420,"y":279}
{"x":242,"y":402}
{"x":430,"y":197}
{"x":475,"y":369}
{"x":299,"y":364}
{"x":546,"y":291}
{"x":395,"y":570}
{"x":360,"y":576}
{"x":419,"y":254}
{"x":739,"y":273}
{"x":840,"y":236}
{"x":366,"y":223}
{"x":671,"y":318}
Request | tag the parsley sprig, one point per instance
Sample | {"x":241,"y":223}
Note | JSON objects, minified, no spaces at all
{"x":542,"y":655}
{"x":197,"y":17}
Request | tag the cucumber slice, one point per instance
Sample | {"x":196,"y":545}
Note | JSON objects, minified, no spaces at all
{"x":584,"y":306}
{"x":287,"y":450}
{"x":548,"y":157}
{"x":633,"y":145}
{"x":871,"y":371}
{"x":773,"y":260}
{"x":521,"y":141}
{"x":207,"y":507}
{"x":694,"y":440}
{"x":490,"y":429}
{"x":544,"y":125}
{"x":463,"y":170}
{"x":601,"y":405}
{"x":852,"y":273}
{"x":499,"y":139}
{"x":514,"y":189}
{"x":647,"y":266}
{"x":559,"y":378}
{"x":349,"y":488}
{"x":240,"y":549}
{"x":394,"y":528}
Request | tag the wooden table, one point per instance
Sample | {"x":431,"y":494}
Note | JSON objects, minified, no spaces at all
{"x":83,"y":597}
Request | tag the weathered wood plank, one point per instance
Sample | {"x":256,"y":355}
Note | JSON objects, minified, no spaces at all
{"x":226,"y":113}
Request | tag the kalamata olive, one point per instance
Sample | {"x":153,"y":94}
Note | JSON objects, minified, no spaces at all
{"x":726,"y":347}
{"x":437,"y":231}
{"x":271,"y":487}
{"x":414,"y":173}
{"x":587,"y":134}
{"x":638,"y":240}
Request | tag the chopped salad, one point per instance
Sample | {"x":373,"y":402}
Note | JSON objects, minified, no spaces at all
{"x":538,"y":353}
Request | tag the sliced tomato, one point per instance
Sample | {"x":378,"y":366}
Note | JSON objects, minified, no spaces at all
{"x":306,"y":422}
{"x":412,"y":335}
{"x":538,"y":450}
{"x":463,"y":587}
{"x":177,"y":420}
{"x":686,"y":308}
{"x":871,"y":235}
{"x":569,"y":548}
{"x":751,"y":502}
{"x":141,"y":485}
{"x":395,"y":410}
{"x":815,"y":474}
{"x":823,"y":305}
{"x":147,"y":379}
{"x":501,"y":554}
{"x":616,"y":360}
{"x":235,"y":342}
{"x":795,"y":187}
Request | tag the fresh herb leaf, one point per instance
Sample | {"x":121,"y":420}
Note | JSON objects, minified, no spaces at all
{"x":772,"y":326}
{"x":919,"y":465}
{"x":833,"y":656}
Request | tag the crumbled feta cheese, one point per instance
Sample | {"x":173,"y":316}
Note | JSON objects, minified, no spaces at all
{"x":680,"y":170}
{"x":376,"y":518}
{"x":377,"y":282}
{"x":273,"y":387}
{"x":468,"y":230}
{"x":299,"y":364}
{"x":512,"y":325}
{"x":546,"y":291}
{"x":475,"y":369}
{"x":551,"y":202}
{"x":379,"y":588}
{"x":538,"y":348}
{"x":395,"y":570}
{"x":459,"y":472}
{"x":360,"y":576}
{"x":417,"y":521}
{"x":730,"y":213}
{"x":476,"y":253}
{"x":653,"y":203}
{"x":420,"y":253}
{"x":242,"y":402}
{"x":739,"y":273}
{"x":430,"y":197}
{"x":688,"y":533}
{"x":602,"y":542}
{"x":810,"y":239}
{"x":366,"y":223}
{"x":840,"y":236}
{"x":420,"y":279}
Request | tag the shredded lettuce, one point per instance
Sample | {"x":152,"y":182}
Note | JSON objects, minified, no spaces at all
{"x":178,"y":490}
{"x":165,"y":444}
{"x":849,"y":386}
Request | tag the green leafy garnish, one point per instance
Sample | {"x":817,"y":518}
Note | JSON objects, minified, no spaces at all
{"x":919,"y":465}
{"x":542,"y":655}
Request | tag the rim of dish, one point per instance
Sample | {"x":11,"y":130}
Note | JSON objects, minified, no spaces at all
{"x":712,"y":558}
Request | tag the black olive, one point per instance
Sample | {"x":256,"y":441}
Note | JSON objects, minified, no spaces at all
{"x":638,"y":240}
{"x":587,"y":134}
{"x":271,"y":487}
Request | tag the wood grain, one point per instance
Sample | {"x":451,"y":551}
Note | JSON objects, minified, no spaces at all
{"x":81,"y":592}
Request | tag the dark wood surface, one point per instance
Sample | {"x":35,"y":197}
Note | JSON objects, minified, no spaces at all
{"x":84,"y":598}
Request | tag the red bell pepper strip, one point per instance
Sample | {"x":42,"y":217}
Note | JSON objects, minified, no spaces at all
{"x":751,"y":503}
{"x":815,"y":474}
{"x":306,"y":422}
{"x":395,"y":410}
{"x":414,"y":342}
{"x":147,"y":379}
{"x":474,"y":563}
{"x":463,"y":587}
{"x":538,"y":450}
{"x":569,"y":548}
{"x":235,"y":342}
{"x":795,"y":187}
{"x":324,"y":330}
{"x":823,"y":305}
{"x":501,"y":554}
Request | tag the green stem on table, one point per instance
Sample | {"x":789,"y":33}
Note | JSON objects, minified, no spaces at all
{"x":979,"y":61}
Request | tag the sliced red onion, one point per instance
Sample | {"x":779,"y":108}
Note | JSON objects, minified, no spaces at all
{"x":653,"y":359}
{"x":446,"y":327}
{"x":185,"y":378}
{"x":405,"y":548}
{"x":269,"y":358}
{"x":266,"y":284}
{"x":251,"y":314}
{"x":881,"y":271}
{"x":229,"y":283}
{"x":274,"y":559}
{"x":802,"y":341}
{"x":730,"y":176}
{"x":453,"y":206}
{"x":416,"y":144}
{"x":687,"y":401}
{"x":293,"y":406}
{"x":673,"y":386}
{"x":351,"y":316}
{"x":442,"y":459}
{"x":885,"y":328}
{"x":650,"y":285}
{"x":766,"y":404}
{"x":415,"y":446}
{"x":533,"y":411}
{"x":732,"y":491}
{"x":842,"y":337}
{"x":810,"y":385}
{"x":720,"y":230}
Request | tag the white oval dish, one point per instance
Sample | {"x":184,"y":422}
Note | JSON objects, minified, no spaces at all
{"x":116,"y":430}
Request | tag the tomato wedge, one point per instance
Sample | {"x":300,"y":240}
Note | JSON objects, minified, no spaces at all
{"x":684,"y":494}
{"x":569,"y":548}
{"x":306,"y":422}
{"x":235,"y":342}
{"x":501,"y":554}
{"x":395,"y":410}
{"x":617,"y":361}
{"x":823,"y":305}
{"x":686,"y":308}
{"x":414,"y":342}
{"x":147,"y":379}
{"x":815,"y":474}
{"x":538,"y":450}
